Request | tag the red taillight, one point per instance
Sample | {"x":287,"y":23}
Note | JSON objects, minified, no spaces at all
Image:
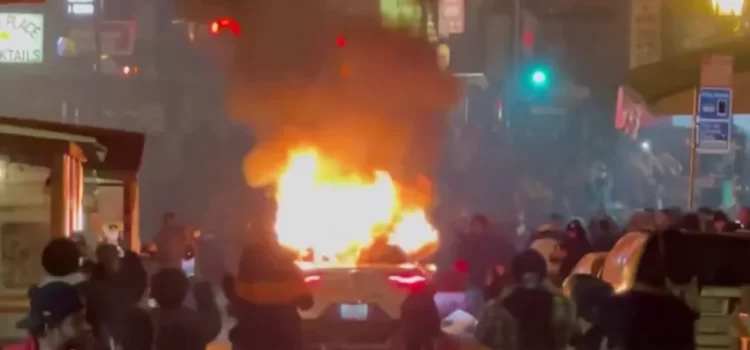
{"x":462,"y":266}
{"x":409,"y":281}
{"x":224,"y":23}
{"x":312,"y":278}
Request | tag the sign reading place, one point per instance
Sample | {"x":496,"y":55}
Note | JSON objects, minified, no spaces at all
{"x":21,"y":38}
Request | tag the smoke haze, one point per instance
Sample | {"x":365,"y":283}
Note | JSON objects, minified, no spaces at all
{"x":377,"y":103}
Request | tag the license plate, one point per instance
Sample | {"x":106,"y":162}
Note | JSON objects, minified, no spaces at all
{"x":354,"y":312}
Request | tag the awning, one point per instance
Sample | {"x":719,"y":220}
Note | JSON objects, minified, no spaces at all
{"x":682,"y":72}
{"x":123,"y":149}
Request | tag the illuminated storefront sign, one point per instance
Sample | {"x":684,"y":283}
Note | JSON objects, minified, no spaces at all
{"x":21,"y":38}
{"x":450,"y":17}
{"x":401,"y":13}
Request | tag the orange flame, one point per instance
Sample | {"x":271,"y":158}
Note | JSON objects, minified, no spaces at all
{"x":323,"y":208}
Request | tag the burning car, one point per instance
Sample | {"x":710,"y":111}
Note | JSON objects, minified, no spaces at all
{"x":357,"y":234}
{"x":357,"y":305}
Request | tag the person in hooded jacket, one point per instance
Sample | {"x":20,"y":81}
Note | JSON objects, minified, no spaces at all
{"x":575,"y":245}
{"x":131,"y":284}
{"x":104,"y":298}
{"x":531,"y":315}
{"x":172,"y":319}
{"x":481,"y":252}
{"x":171,"y":325}
{"x":420,"y":319}
{"x":268,"y":292}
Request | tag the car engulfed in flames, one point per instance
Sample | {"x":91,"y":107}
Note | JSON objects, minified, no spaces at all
{"x":328,"y":213}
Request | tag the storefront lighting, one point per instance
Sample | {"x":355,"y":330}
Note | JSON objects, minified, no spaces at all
{"x":80,"y":7}
{"x":728,"y":7}
{"x":128,"y":70}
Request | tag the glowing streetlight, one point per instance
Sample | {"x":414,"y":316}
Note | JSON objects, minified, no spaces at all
{"x":728,"y":7}
{"x":646,"y":146}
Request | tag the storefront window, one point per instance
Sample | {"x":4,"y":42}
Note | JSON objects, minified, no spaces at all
{"x":24,"y":225}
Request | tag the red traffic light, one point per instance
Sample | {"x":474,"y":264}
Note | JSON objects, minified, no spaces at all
{"x":341,"y":41}
{"x":221,"y":24}
{"x":528,"y":40}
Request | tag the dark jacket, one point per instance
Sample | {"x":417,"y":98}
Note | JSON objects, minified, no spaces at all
{"x":591,"y":339}
{"x":481,"y":253}
{"x":649,"y":320}
{"x":104,"y":300}
{"x":519,"y":320}
{"x":534,"y":311}
{"x":268,"y":292}
{"x":167,"y":329}
{"x":420,"y":319}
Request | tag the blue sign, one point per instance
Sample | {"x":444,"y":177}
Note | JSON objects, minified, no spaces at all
{"x":714,"y":118}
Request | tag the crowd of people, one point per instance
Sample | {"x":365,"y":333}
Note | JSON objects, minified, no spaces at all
{"x":514,"y":286}
{"x":117,"y":299}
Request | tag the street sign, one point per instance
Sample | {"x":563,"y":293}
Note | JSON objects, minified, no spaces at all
{"x":714,"y":120}
{"x":712,"y":117}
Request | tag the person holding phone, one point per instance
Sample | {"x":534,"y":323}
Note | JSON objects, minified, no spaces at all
{"x":170,"y":324}
{"x":188,"y":262}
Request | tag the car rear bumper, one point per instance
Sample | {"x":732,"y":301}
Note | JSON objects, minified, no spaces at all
{"x":349,"y":334}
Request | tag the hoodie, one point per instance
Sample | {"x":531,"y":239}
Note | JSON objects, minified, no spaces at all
{"x":180,"y":328}
{"x":265,"y":298}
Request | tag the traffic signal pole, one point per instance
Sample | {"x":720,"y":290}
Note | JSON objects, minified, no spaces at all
{"x":516,"y":25}
{"x":515,"y":51}
{"x":510,"y":93}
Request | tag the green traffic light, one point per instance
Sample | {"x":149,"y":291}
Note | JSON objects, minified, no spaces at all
{"x":539,"y":77}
